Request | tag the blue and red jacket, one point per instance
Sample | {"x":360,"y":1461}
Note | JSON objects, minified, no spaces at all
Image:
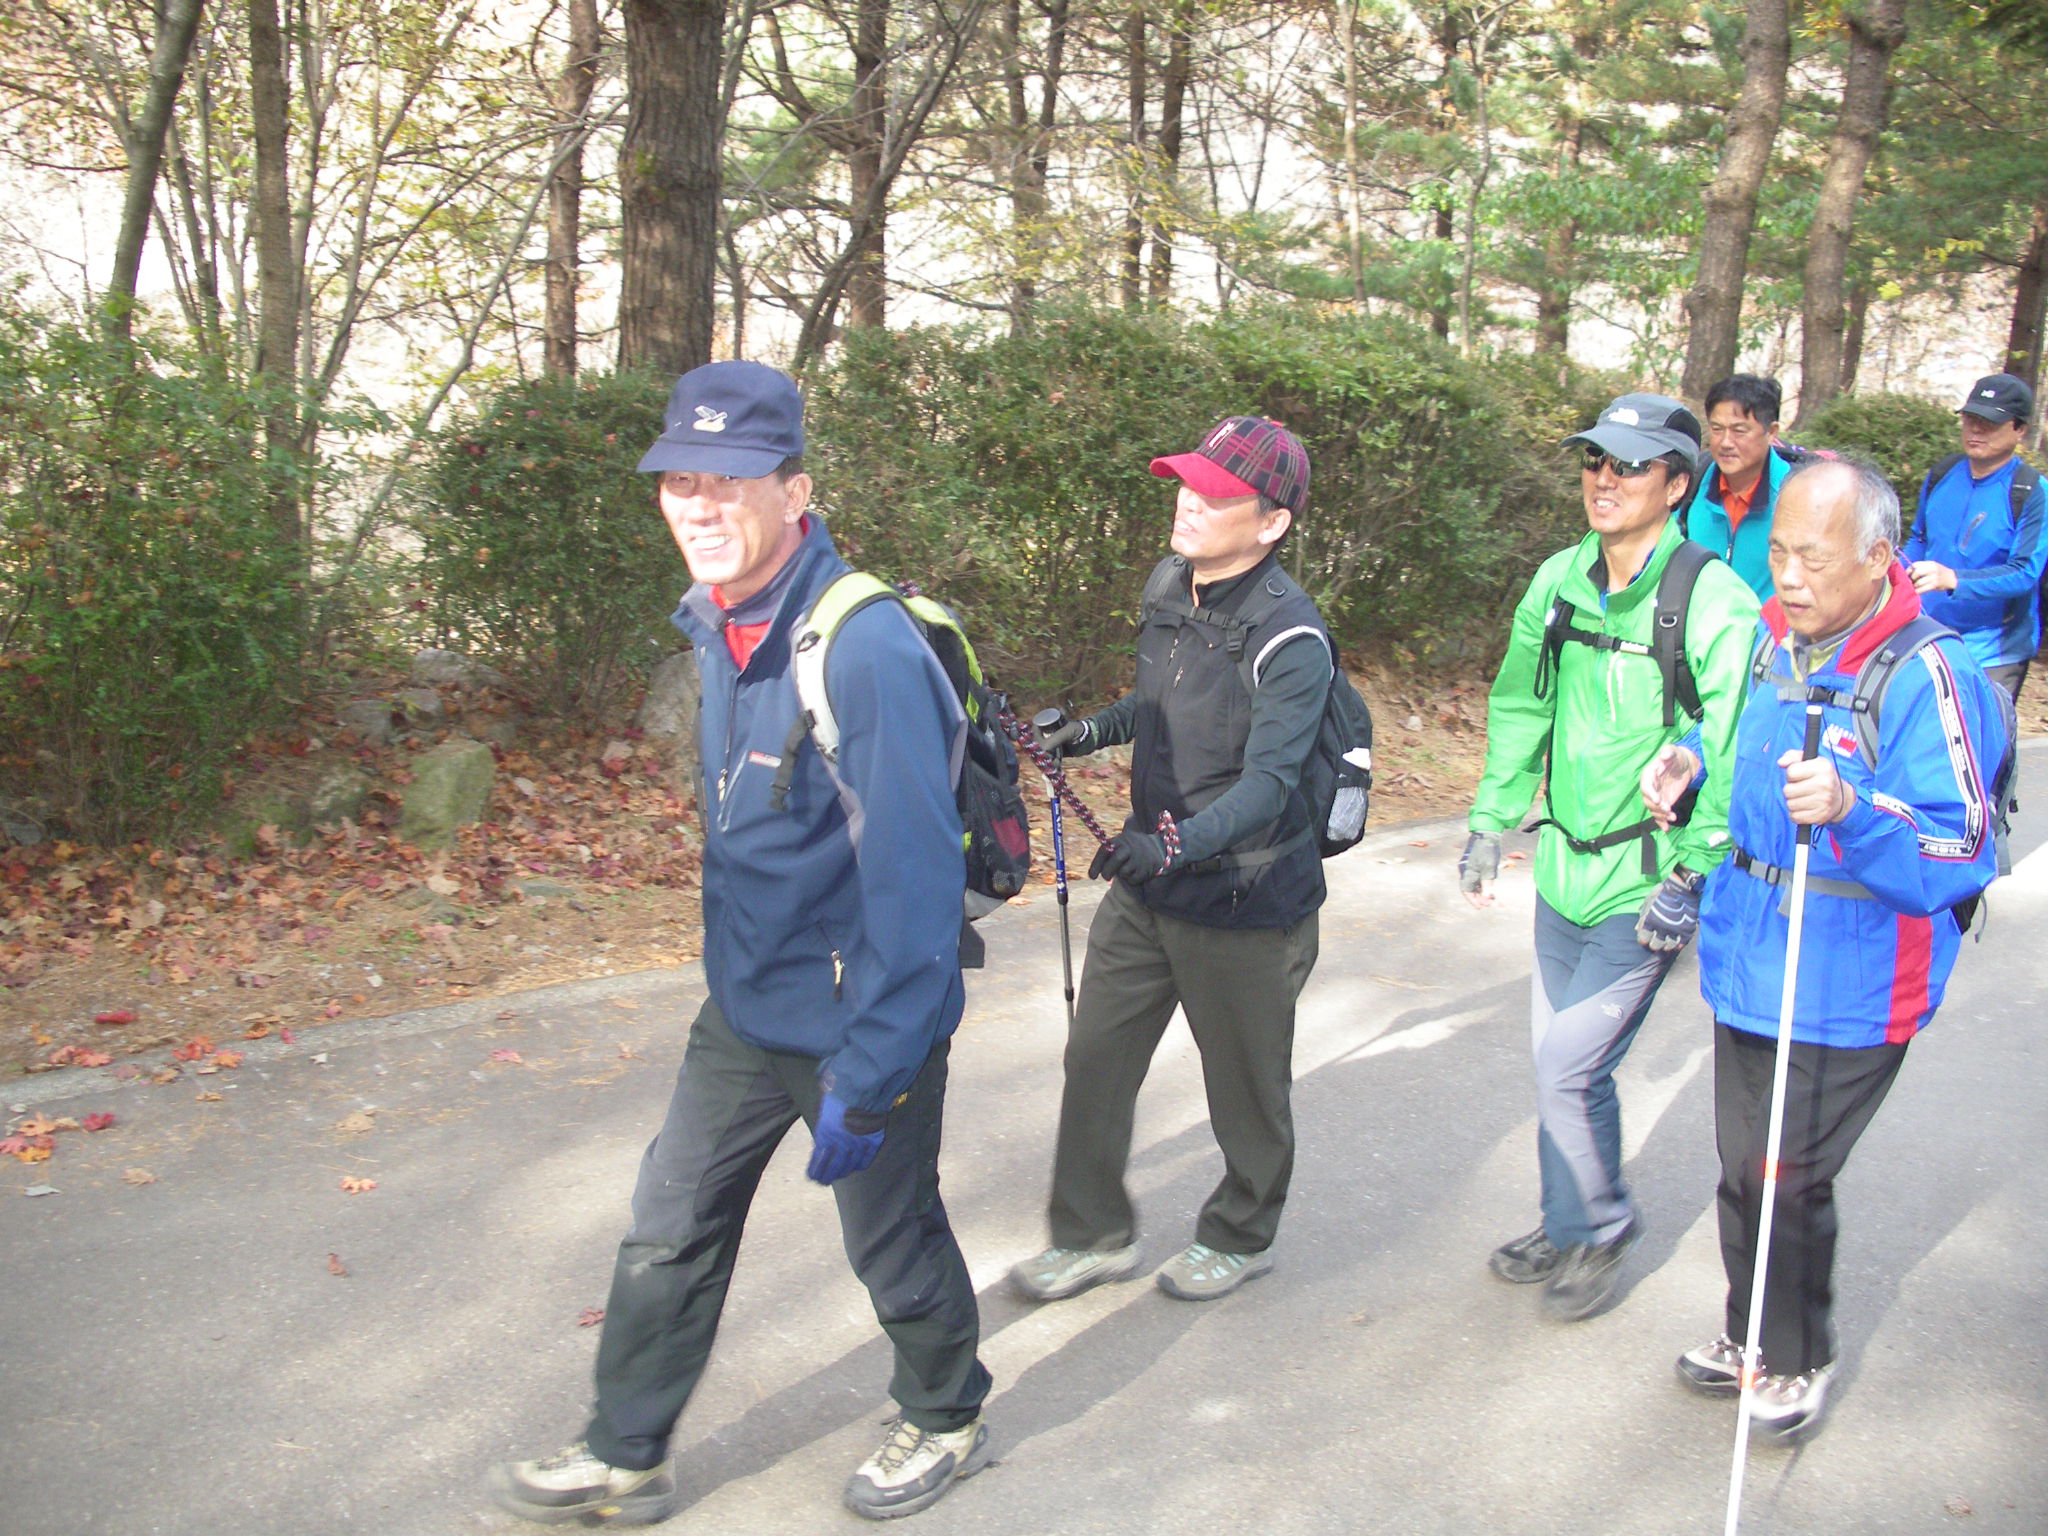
{"x":1872,"y":968}
{"x":832,"y":925}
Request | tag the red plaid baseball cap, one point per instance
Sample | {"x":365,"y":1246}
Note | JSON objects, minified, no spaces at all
{"x":1244,"y":456}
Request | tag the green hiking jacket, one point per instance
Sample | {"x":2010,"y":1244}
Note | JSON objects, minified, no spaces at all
{"x":1603,"y":721}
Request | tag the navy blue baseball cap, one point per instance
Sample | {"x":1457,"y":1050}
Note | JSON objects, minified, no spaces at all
{"x":733,"y":418}
{"x":1999,"y":397}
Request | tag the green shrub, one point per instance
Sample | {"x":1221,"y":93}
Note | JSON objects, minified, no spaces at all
{"x":1905,"y":435}
{"x":1010,"y":474}
{"x":149,"y":612}
{"x":541,"y":546}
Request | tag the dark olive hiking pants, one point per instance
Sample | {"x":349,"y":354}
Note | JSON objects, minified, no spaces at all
{"x":1238,"y":987}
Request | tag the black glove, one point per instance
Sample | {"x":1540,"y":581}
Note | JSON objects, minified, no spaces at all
{"x":1132,"y":857}
{"x":1068,"y":739}
{"x":1671,"y":916}
{"x":1480,"y":861}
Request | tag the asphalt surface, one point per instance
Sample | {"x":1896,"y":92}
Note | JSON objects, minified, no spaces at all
{"x":181,"y":1357}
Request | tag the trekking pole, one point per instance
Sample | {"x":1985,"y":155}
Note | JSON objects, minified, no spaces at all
{"x":1049,"y":765}
{"x":1752,"y":1346}
{"x":1045,"y":722}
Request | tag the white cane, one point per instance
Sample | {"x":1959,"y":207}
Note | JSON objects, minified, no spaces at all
{"x":1753,"y":1344}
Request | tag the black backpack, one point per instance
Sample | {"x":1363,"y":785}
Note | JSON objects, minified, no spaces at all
{"x":995,"y":823}
{"x":1336,"y":780}
{"x":1866,"y":702}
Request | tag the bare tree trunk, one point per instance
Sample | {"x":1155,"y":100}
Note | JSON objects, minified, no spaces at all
{"x":1852,"y":338}
{"x":867,"y":283}
{"x":1481,"y":42}
{"x":2023,"y":340}
{"x":670,"y":165}
{"x":1713,"y":307}
{"x":277,"y":270}
{"x":565,"y":191}
{"x":1134,"y":212}
{"x":1560,"y":246}
{"x":1031,"y":152}
{"x":1173,"y":95}
{"x":1354,"y":221}
{"x":177,"y":26}
{"x":1874,"y":36}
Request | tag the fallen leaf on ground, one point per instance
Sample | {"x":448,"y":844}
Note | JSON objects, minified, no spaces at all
{"x":209,"y":1097}
{"x":97,"y":1122}
{"x":335,"y":1266}
{"x":35,"y":1125}
{"x":36,"y":1190}
{"x":287,"y":1036}
{"x":623,"y":1002}
{"x":30,"y":1149}
{"x":1957,"y":1505}
{"x":193,"y":1049}
{"x":227,"y":1058}
{"x":114,"y":1016}
{"x":165,"y":1075}
{"x":512,"y":1056}
{"x":351,"y":1185}
{"x":590,"y":1317}
{"x":356,"y":1123}
{"x":138,"y":1177}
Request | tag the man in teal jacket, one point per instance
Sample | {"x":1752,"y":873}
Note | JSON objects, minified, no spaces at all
{"x":1737,"y":490}
{"x":1581,"y":704}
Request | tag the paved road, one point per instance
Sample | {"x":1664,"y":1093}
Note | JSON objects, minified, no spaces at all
{"x":181,"y":1360}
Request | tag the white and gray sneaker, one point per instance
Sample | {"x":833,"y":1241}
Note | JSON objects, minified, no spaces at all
{"x":573,"y":1485}
{"x":914,"y":1468}
{"x":1788,"y":1408}
{"x":1713,"y":1368}
{"x":1058,"y":1273}
{"x":1201,"y":1273}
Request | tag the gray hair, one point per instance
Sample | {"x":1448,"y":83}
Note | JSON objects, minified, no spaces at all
{"x":1875,"y":505}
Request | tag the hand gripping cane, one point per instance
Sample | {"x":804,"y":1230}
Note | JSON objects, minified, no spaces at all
{"x":1044,"y":723}
{"x":1752,"y":1346}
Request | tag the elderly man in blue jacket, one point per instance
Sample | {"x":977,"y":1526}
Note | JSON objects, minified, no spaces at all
{"x":831,"y":954}
{"x":1904,"y":833}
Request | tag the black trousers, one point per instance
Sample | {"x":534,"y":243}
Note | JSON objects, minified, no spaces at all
{"x":733,"y":1104}
{"x":1237,"y":987}
{"x":1830,"y":1095}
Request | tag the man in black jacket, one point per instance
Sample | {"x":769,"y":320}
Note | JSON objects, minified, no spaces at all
{"x":1217,"y":875}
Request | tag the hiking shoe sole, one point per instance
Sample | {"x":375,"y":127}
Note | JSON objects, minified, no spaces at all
{"x":895,"y":1503}
{"x":651,"y":1503}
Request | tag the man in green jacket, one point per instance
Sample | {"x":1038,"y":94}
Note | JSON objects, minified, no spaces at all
{"x":1585,"y":698}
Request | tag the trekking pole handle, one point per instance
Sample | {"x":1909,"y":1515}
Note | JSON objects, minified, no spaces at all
{"x":1807,"y":753}
{"x":1046,"y":721}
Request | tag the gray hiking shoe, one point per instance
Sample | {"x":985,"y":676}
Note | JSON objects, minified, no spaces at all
{"x":1058,"y":1273}
{"x":1784,"y":1409}
{"x":1714,"y":1368}
{"x":1529,"y":1258}
{"x":573,"y":1485}
{"x":1587,"y":1273}
{"x":914,"y":1468}
{"x":1201,"y":1273}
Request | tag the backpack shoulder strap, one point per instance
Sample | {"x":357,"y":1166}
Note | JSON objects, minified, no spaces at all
{"x":1166,"y":589}
{"x":1934,"y":477}
{"x":1875,"y":679}
{"x":1667,"y":642}
{"x":2025,"y":479}
{"x":809,"y":646}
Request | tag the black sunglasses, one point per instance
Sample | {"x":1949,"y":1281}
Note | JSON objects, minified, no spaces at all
{"x":1626,"y":469}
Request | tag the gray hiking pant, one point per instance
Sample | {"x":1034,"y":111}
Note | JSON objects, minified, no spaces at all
{"x":1590,"y":992}
{"x":1237,"y":987}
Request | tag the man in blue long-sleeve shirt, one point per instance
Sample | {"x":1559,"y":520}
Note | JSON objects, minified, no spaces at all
{"x":1974,"y":554}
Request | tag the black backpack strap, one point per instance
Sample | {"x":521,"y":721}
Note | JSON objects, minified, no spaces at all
{"x":2025,"y":479}
{"x":1934,"y":477}
{"x":1674,"y":603}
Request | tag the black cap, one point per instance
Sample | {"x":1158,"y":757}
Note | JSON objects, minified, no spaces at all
{"x":731,"y":418}
{"x":1999,"y":397}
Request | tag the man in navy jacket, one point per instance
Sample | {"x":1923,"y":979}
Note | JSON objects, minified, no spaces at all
{"x":831,"y":955}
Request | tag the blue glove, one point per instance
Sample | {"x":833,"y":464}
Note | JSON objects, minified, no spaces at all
{"x":1132,"y":857}
{"x":844,"y":1140}
{"x":1671,"y":916}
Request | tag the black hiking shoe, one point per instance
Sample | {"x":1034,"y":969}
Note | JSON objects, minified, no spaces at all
{"x":1587,"y":1273}
{"x":573,"y":1485}
{"x":1529,"y":1258}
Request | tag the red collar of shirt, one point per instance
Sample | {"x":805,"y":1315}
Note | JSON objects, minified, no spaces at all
{"x":741,"y":639}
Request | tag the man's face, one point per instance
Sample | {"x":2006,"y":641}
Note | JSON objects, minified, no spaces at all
{"x":1738,"y":441}
{"x":1217,"y":533}
{"x":1988,"y":444}
{"x":1618,"y":505}
{"x":734,"y":534}
{"x":1824,"y":583}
